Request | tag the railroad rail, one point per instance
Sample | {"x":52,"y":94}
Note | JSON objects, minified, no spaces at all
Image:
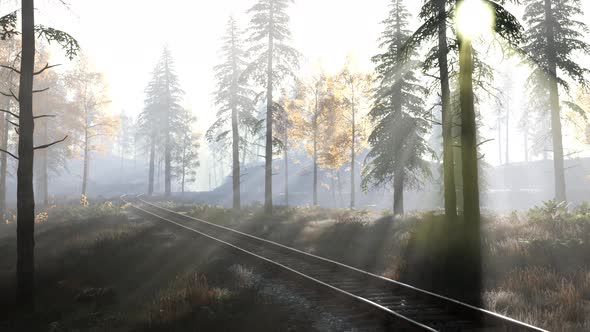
{"x":379,"y":303}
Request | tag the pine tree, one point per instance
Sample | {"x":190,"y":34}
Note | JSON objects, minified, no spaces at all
{"x":235,"y":102}
{"x":397,"y":141}
{"x":555,"y":38}
{"x":162,"y":116}
{"x":273,"y":61}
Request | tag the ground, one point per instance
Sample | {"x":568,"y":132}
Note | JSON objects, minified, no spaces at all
{"x":100,"y":268}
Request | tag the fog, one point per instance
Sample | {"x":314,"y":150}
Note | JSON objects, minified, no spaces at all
{"x":441,"y":144}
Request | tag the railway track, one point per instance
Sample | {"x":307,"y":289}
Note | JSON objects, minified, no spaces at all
{"x":373,"y":302}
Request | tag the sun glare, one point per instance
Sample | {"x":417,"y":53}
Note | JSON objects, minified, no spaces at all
{"x":474,"y":18}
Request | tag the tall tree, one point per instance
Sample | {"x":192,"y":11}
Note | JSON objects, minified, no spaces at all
{"x":125,"y":138}
{"x":555,"y":38}
{"x":235,"y":102}
{"x":186,"y":152}
{"x":397,"y":141}
{"x":273,"y":61}
{"x":289,"y":106}
{"x":356,"y":87}
{"x":437,"y":15}
{"x":10,"y":50}
{"x":161,"y":118}
{"x":52,"y":103}
{"x":89,"y":98}
{"x":25,"y":193}
{"x":317,"y":94}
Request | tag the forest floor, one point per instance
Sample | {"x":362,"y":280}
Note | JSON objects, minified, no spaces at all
{"x":102,"y":269}
{"x":536,"y":264}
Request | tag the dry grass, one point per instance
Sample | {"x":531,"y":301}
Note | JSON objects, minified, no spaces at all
{"x":536,"y":264}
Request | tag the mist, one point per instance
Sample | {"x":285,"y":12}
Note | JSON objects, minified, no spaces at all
{"x":438,"y":147}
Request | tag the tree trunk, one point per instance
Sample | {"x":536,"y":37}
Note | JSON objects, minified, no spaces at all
{"x":470,"y":277}
{"x":168,"y":167}
{"x":340,"y":189}
{"x":269,"y":109}
{"x":526,"y":144}
{"x":450,"y":194}
{"x":398,"y":194}
{"x":507,"y":158}
{"x":352,"y":157}
{"x":286,"y":157}
{"x":152,"y":168}
{"x":25,"y":195}
{"x":558,"y":163}
{"x":235,"y":134}
{"x":499,"y":139}
{"x":183,"y":176}
{"x":86,"y":162}
{"x":167,"y":141}
{"x":45,"y":169}
{"x":315,"y":148}
{"x":4,"y":163}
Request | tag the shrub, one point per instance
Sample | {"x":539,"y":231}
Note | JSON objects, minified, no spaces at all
{"x":549,"y":211}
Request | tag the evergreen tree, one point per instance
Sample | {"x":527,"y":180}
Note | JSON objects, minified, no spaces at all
{"x":161,"y":118}
{"x":555,"y":38}
{"x":397,"y":141}
{"x":273,"y":61}
{"x":235,"y":102}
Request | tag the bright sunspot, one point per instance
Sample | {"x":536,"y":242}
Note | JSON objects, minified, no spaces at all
{"x":474,"y":18}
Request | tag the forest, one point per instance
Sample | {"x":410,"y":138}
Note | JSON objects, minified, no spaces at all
{"x":295,"y":165}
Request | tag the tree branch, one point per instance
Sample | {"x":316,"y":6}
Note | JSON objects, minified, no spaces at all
{"x":43,"y":116}
{"x":47,"y":66}
{"x":8,"y":153}
{"x":9,"y":112}
{"x":13,"y":123}
{"x":42,"y":90}
{"x":50,"y":144}
{"x":486,"y":141}
{"x":11,"y":68}
{"x":11,"y":94}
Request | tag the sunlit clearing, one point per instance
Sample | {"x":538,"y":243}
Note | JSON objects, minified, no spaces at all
{"x":474,"y":18}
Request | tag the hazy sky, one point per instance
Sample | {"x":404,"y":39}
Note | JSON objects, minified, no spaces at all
{"x":124,"y":39}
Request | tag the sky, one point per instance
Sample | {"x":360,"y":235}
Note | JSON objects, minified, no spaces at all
{"x":124,"y":39}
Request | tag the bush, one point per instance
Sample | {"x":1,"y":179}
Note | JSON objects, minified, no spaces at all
{"x":549,"y":211}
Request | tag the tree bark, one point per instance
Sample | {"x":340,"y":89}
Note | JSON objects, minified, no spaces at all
{"x":25,"y":194}
{"x":470,"y":277}
{"x":269,"y":109}
{"x":450,"y":194}
{"x":558,"y":163}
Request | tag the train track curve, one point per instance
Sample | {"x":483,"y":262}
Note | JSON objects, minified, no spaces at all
{"x":381,"y":303}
